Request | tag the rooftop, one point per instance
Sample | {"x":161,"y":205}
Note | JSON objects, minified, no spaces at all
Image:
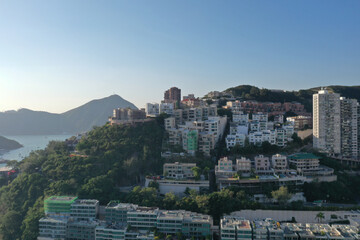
{"x":232,"y":222}
{"x":61,"y":199}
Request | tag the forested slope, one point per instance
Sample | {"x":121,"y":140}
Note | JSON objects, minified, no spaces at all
{"x":117,"y":156}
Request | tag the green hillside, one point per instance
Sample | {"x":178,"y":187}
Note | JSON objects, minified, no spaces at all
{"x":304,"y":96}
{"x":116,"y":156}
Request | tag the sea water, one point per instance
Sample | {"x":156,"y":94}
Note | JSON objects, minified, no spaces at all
{"x":30,"y":143}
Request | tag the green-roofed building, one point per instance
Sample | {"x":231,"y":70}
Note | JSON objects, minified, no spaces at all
{"x":58,"y":206}
{"x":306,"y":163}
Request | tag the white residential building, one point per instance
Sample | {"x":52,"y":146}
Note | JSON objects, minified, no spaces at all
{"x":257,"y":138}
{"x":152,"y":109}
{"x":262,"y":118}
{"x":169,"y":123}
{"x":178,"y":170}
{"x":235,"y":228}
{"x":237,"y":128}
{"x":241,"y":118}
{"x":167,"y":108}
{"x":326,"y":122}
{"x":235,"y":139}
{"x":254,"y":126}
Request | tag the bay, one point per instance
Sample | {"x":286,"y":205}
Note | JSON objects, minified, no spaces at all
{"x":30,"y":143}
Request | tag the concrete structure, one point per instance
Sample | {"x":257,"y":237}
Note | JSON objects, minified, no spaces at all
{"x":110,"y":231}
{"x":349,"y":129}
{"x":84,"y":209}
{"x":207,"y":142}
{"x":196,"y":135}
{"x":51,"y":228}
{"x":170,"y":123}
{"x":279,"y":163}
{"x":262,"y":118}
{"x":190,"y":139}
{"x":257,"y":185}
{"x":224,"y":168}
{"x":127,"y":116}
{"x":152,"y":109}
{"x":122,"y":221}
{"x":273,"y":108}
{"x":258,"y":137}
{"x":305,"y":163}
{"x":178,"y":170}
{"x":300,"y":122}
{"x":326,"y":122}
{"x":140,"y":220}
{"x":84,"y":230}
{"x":235,"y":139}
{"x":58,"y":206}
{"x":243,"y":166}
{"x":300,"y":216}
{"x":225,"y":164}
{"x":267,"y":229}
{"x":173,"y":95}
{"x":167,"y":107}
{"x":262,"y":165}
{"x":235,"y":228}
{"x":236,"y":128}
{"x":235,"y":106}
{"x":178,"y":187}
{"x":68,"y":217}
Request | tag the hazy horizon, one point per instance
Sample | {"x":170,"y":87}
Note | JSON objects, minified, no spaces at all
{"x":58,"y":55}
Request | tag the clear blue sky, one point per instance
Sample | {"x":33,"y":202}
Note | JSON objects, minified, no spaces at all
{"x":56,"y":55}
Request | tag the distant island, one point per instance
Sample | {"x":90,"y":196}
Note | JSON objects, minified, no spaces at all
{"x":8,"y":144}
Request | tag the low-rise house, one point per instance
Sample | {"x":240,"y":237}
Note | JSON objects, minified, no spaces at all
{"x":279,"y":163}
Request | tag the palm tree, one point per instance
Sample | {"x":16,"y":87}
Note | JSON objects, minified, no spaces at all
{"x":320,"y":216}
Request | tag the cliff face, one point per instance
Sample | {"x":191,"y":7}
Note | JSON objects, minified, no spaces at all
{"x":77,"y":120}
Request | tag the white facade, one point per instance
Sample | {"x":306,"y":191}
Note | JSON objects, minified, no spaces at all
{"x":257,"y":138}
{"x":167,"y":108}
{"x":169,"y":123}
{"x":262,"y":118}
{"x":236,"y":139}
{"x":241,"y":118}
{"x":152,"y":109}
{"x":236,"y":128}
{"x":178,"y":170}
{"x":326,"y":122}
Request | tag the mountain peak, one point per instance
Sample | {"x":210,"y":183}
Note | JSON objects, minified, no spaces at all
{"x":83,"y":118}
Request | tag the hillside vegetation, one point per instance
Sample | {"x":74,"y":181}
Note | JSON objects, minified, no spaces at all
{"x":248,"y":92}
{"x":117,"y":156}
